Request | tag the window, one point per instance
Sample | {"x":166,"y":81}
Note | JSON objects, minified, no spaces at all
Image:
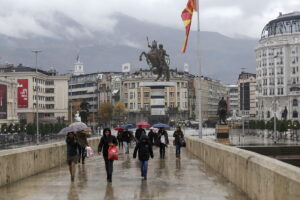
{"x":131,"y":95}
{"x":171,"y":94}
{"x":146,"y":106}
{"x":295,"y":114}
{"x":280,"y":91}
{"x":49,"y":106}
{"x":49,"y":98}
{"x":271,"y":91}
{"x":265,"y":82}
{"x":49,"y":90}
{"x":146,"y":94}
{"x":280,"y":81}
{"x":268,"y":114}
{"x":295,"y":102}
{"x":131,"y":106}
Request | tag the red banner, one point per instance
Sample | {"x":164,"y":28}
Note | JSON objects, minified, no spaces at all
{"x":22,"y":93}
{"x":3,"y":102}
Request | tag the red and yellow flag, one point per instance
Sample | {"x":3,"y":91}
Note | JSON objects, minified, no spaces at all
{"x":186,"y":16}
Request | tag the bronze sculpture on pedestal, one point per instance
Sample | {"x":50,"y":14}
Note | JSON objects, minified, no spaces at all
{"x":158,"y":60}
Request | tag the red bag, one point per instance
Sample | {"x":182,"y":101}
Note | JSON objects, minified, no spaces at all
{"x":113,"y":153}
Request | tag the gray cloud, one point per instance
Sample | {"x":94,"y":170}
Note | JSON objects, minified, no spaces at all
{"x":19,"y":18}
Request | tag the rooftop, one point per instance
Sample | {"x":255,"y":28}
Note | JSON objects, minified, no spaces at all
{"x":284,"y":24}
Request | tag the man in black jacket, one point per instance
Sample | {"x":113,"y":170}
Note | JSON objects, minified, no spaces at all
{"x":144,"y":148}
{"x":139,"y":132}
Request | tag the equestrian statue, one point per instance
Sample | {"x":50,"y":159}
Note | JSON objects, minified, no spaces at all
{"x":158,"y":60}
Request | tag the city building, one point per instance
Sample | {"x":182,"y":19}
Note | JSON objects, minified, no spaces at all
{"x":233,"y":100}
{"x":83,"y":88}
{"x":51,"y":96}
{"x":277,"y":58}
{"x":211,"y":93}
{"x":137,"y":99}
{"x":8,"y":101}
{"x":247,"y":95}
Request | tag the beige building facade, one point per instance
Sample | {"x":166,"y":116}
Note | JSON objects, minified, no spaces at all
{"x":52,"y":98}
{"x":138,"y":99}
{"x":8,"y":101}
{"x":211,"y":93}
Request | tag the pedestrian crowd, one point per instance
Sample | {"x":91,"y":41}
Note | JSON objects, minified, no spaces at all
{"x":77,"y":147}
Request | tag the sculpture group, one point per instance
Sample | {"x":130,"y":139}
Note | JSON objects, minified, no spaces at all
{"x":158,"y":60}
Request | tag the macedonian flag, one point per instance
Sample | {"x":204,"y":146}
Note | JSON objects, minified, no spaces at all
{"x":186,"y":16}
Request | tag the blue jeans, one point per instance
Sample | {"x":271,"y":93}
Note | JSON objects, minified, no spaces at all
{"x":144,"y":168}
{"x":178,"y":146}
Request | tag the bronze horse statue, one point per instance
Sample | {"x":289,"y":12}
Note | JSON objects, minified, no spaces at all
{"x":154,"y":60}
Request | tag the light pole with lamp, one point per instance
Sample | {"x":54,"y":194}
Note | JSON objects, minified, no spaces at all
{"x":71,"y":94}
{"x":243,"y":103}
{"x":36,"y":52}
{"x":275,"y":103}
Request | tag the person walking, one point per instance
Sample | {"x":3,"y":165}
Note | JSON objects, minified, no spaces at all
{"x":144,"y":149}
{"x":72,"y":153}
{"x":82,"y":144}
{"x":106,"y":141}
{"x":163,"y":142}
{"x":179,"y":138}
{"x":119,"y":137}
{"x":126,"y":137}
{"x":151,"y":136}
{"x":139,"y":132}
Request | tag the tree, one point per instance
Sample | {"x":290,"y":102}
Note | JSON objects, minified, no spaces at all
{"x":31,"y":129}
{"x":105,"y":112}
{"x":119,"y":111}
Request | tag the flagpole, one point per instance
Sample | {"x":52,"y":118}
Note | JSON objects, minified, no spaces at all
{"x":200,"y":70}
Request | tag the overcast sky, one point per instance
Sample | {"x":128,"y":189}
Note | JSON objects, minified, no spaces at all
{"x":19,"y":18}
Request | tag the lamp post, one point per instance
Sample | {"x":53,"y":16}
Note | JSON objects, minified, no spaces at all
{"x":36,"y":52}
{"x":243,"y":103}
{"x":71,"y":94}
{"x":275,"y":103}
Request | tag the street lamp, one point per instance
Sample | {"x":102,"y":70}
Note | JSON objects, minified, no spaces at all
{"x":243,"y":106}
{"x":36,"y":52}
{"x":71,"y":94}
{"x":275,"y":103}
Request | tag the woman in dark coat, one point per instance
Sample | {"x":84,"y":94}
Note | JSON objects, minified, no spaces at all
{"x":179,"y":137}
{"x":72,"y":153}
{"x":107,"y":140}
{"x":163,"y":141}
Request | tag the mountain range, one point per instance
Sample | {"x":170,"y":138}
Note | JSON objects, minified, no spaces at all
{"x":221,"y":57}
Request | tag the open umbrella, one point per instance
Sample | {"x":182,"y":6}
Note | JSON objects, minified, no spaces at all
{"x":161,"y":125}
{"x":118,"y":128}
{"x":75,"y":127}
{"x":128,"y":126}
{"x":143,"y":124}
{"x":154,"y":129}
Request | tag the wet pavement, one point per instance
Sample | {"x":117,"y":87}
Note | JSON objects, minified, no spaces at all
{"x":187,"y":178}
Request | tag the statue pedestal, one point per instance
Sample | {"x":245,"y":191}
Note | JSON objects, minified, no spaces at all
{"x":222,"y":131}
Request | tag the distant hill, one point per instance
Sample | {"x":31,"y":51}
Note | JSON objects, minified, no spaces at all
{"x":221,"y":56}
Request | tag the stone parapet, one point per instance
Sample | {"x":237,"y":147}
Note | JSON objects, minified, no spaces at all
{"x":16,"y":164}
{"x":260,"y":177}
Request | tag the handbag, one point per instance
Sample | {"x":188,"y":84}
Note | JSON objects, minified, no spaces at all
{"x":89,"y":151}
{"x":182,"y":142}
{"x":113,"y":153}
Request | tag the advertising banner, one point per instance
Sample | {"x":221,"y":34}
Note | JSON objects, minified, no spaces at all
{"x":3,"y":102}
{"x":22,"y":93}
